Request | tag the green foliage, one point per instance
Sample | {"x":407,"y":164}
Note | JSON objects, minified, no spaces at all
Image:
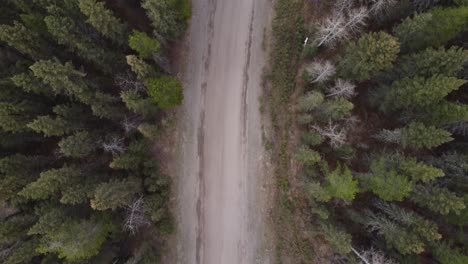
{"x":78,"y":145}
{"x":167,"y":16}
{"x":370,"y":54}
{"x":150,"y":131}
{"x":49,"y":182}
{"x":312,"y":138}
{"x":77,"y":239}
{"x":419,"y":171}
{"x":438,"y":199}
{"x":51,"y":127}
{"x":387,"y":182}
{"x":446,"y":255}
{"x":116,"y":193}
{"x":310,"y":101}
{"x":444,"y":113}
{"x":29,"y":83}
{"x":431,"y":61}
{"x":132,"y":158}
{"x":417,"y":135}
{"x":103,"y":20}
{"x":341,"y":184}
{"x":165,"y":91}
{"x":335,"y":109}
{"x":419,"y":92}
{"x":431,"y":29}
{"x":337,"y":238}
{"x":138,"y":104}
{"x":145,"y":45}
{"x":307,"y":156}
{"x":24,"y":40}
{"x":140,"y":67}
{"x":14,"y":117}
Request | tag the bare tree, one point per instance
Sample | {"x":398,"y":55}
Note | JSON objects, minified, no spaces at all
{"x":342,"y":88}
{"x":320,"y":71}
{"x":335,"y":133}
{"x":115,"y":145}
{"x":135,"y":216}
{"x":340,"y":26}
{"x":380,"y":6}
{"x":127,"y":81}
{"x":343,"y":5}
{"x":129,"y":124}
{"x":372,"y":256}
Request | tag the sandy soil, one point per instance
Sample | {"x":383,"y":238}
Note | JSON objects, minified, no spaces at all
{"x":223,"y":196}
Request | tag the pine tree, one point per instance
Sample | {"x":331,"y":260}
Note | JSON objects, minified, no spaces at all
{"x":310,"y":101}
{"x":115,"y":193}
{"x":443,"y":113}
{"x":369,"y":55}
{"x":78,"y":145}
{"x":77,"y":239}
{"x":419,"y":92}
{"x":106,"y":106}
{"x":63,"y":79}
{"x":419,"y":171}
{"x":437,"y":199}
{"x":24,"y":40}
{"x":140,"y":67}
{"x":386,"y":181}
{"x":15,"y":117}
{"x":431,"y":61}
{"x":138,"y":104}
{"x":167,"y":16}
{"x":51,"y":127}
{"x":132,"y":158}
{"x":49,"y":183}
{"x":307,"y":156}
{"x":67,"y":33}
{"x":339,"y":239}
{"x":30,"y":83}
{"x":341,"y":184}
{"x":165,"y":91}
{"x":447,"y":255}
{"x":395,"y":235}
{"x":416,"y":135}
{"x":335,"y":109}
{"x":143,"y":44}
{"x":431,"y":29}
{"x":104,"y":21}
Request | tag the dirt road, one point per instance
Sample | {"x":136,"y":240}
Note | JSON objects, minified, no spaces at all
{"x":222,"y":198}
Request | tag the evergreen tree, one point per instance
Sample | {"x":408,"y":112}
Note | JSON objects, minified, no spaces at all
{"x":138,"y":104}
{"x":104,"y":21}
{"x":167,"y":16}
{"x":143,"y":44}
{"x":30,"y":83}
{"x":340,"y":184}
{"x":443,"y":113}
{"x":417,"y":135}
{"x":437,"y":199}
{"x":386,"y":181}
{"x":140,"y":67}
{"x":335,"y":109}
{"x":431,"y":29}
{"x":63,"y":79}
{"x":418,"y":171}
{"x":24,"y":40}
{"x":115,"y":193}
{"x":78,"y":145}
{"x":307,"y":156}
{"x":310,"y":101}
{"x":133,"y":158}
{"x":77,"y":239}
{"x":419,"y":92}
{"x":15,"y":117}
{"x":431,"y":61}
{"x":369,"y":55}
{"x":337,"y":238}
{"x":106,"y":106}
{"x":165,"y":91}
{"x":51,"y":127}
{"x":49,"y":182}
{"x":446,"y":255}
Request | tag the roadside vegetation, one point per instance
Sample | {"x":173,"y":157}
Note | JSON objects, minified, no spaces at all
{"x":84,"y":95}
{"x":370,"y":131}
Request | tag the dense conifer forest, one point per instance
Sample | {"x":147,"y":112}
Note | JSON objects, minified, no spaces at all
{"x":380,"y":171}
{"x":84,"y":89}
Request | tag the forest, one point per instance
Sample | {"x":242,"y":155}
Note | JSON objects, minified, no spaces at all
{"x":377,"y":116}
{"x":85,"y":87}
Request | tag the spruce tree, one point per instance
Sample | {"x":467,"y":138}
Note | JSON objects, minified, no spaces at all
{"x":143,"y":44}
{"x":165,"y":91}
{"x":138,"y":104}
{"x":140,"y":67}
{"x":167,"y":16}
{"x":431,"y":29}
{"x":341,"y":184}
{"x":51,"y":126}
{"x":78,"y":145}
{"x":416,"y":135}
{"x":438,"y":199}
{"x":116,"y":193}
{"x":104,"y":21}
{"x":370,"y":54}
{"x":419,"y":92}
{"x":307,"y":156}
{"x":24,"y":40}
